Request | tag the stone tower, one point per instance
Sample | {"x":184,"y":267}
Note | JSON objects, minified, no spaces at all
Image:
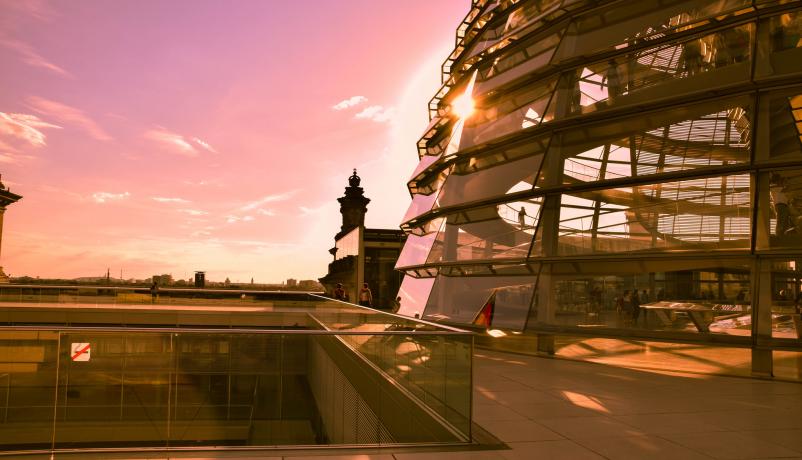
{"x":353,"y":206}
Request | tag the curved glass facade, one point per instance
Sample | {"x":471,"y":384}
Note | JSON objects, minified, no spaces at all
{"x":628,"y":167}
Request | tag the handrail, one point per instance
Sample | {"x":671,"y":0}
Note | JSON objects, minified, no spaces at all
{"x":146,"y":288}
{"x":405,"y":318}
{"x":196,"y":330}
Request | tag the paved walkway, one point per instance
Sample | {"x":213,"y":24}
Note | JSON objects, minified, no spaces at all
{"x":555,"y":409}
{"x":560,"y":409}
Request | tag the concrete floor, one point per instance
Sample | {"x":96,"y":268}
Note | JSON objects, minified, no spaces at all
{"x":561,"y":409}
{"x":555,"y":409}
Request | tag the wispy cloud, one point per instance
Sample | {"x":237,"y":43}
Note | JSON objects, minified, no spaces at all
{"x":29,"y":56}
{"x":5,"y":148}
{"x":105,"y":197}
{"x":188,"y":146}
{"x":193,"y":212}
{"x":37,"y":9}
{"x":376,"y":113}
{"x":266,"y":212}
{"x":305,"y":211}
{"x":233,"y":219}
{"x":13,"y":159}
{"x":68,"y":115}
{"x":350,"y":102}
{"x":197,"y":183}
{"x":24,"y":127}
{"x":268,"y":199}
{"x":161,"y":199}
{"x":204,"y":145}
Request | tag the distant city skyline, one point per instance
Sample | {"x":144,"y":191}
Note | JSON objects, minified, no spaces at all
{"x":168,"y":137}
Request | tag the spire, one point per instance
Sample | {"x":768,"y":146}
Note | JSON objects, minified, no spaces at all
{"x":354,"y":180}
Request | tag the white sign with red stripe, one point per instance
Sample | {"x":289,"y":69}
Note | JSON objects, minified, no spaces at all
{"x":80,"y":351}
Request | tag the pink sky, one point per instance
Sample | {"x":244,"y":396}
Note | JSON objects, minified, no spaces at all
{"x":173,"y":136}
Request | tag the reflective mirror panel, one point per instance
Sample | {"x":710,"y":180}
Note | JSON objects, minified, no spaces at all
{"x":459,"y":299}
{"x":689,"y":296}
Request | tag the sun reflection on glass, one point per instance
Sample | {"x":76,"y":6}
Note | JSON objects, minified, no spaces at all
{"x":462,"y":106}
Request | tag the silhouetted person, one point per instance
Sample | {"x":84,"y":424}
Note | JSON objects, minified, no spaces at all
{"x":522,"y":217}
{"x":365,"y":296}
{"x":780,"y":201}
{"x":339,"y":292}
{"x":613,"y":79}
{"x":154,"y":292}
{"x":635,"y":301}
{"x":691,"y":57}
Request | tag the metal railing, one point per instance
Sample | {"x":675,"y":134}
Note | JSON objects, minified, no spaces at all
{"x":98,"y":373}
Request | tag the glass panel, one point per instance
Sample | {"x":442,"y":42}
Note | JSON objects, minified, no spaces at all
{"x":424,"y":163}
{"x":645,"y":76}
{"x":348,"y":245}
{"x":788,"y":364}
{"x":653,"y":356}
{"x":519,"y":22}
{"x":510,"y":112}
{"x":770,"y":3}
{"x":118,"y":386}
{"x":435,"y":369}
{"x":524,"y":59}
{"x":780,"y":46}
{"x":702,"y":214}
{"x":662,"y":295}
{"x":715,"y":139}
{"x":617,"y":28}
{"x":421,"y":204}
{"x":195,"y":387}
{"x":28,"y":361}
{"x":511,"y":305}
{"x":785,"y":193}
{"x":469,"y":183}
{"x":504,"y":231}
{"x":786,"y":298}
{"x":424,"y":195}
{"x":459,"y":299}
{"x":414,"y":294}
{"x":416,"y":249}
{"x":780,"y":216}
{"x":785,"y":126}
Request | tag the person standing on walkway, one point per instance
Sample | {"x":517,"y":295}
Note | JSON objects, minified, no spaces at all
{"x":339,"y":292}
{"x":365,"y":296}
{"x":613,"y":80}
{"x":621,"y":308}
{"x":780,"y":201}
{"x":635,"y":301}
{"x":154,"y":292}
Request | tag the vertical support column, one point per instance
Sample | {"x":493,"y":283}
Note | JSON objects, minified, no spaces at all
{"x":3,"y":277}
{"x":552,"y":172}
{"x":762,"y":364}
{"x":2,"y":214}
{"x":762,"y":223}
{"x":450,"y":242}
{"x":360,"y":265}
